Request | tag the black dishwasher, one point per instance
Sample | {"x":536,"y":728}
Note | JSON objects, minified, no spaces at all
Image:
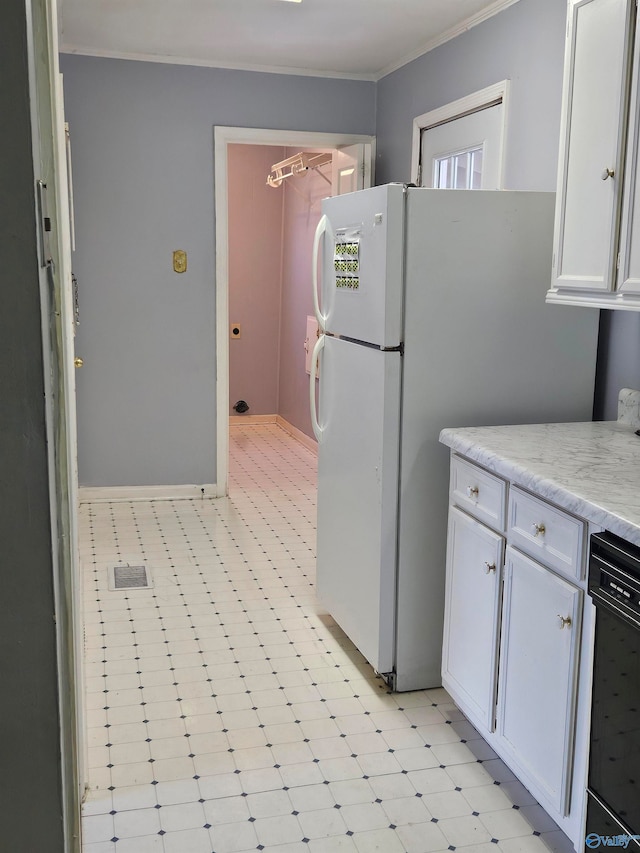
{"x":613,"y":805}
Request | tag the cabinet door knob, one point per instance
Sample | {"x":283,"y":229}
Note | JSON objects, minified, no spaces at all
{"x":565,"y":621}
{"x":607,"y":173}
{"x":489,"y":567}
{"x":538,"y":529}
{"x":473,"y":491}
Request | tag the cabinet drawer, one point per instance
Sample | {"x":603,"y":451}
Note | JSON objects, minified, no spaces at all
{"x":545,"y":532}
{"x":481,"y":494}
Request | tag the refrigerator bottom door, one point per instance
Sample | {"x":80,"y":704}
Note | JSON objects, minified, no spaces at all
{"x":358,"y":459}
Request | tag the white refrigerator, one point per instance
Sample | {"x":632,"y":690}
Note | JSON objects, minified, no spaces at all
{"x":431,"y":305}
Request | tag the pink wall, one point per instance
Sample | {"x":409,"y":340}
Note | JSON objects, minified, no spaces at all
{"x":270,"y":240}
{"x":255,"y":272}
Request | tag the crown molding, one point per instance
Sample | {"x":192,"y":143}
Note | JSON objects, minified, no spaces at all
{"x":78,"y":50}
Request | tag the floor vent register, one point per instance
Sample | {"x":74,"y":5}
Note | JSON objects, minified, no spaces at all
{"x":129,"y":577}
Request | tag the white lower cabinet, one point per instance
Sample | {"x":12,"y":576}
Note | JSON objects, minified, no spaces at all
{"x":515,"y":657}
{"x":472,"y":615}
{"x":537,"y":689}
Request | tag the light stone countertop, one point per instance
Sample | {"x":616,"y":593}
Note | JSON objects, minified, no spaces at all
{"x":589,"y":469}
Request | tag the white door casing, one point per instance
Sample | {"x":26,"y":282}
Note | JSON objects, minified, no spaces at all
{"x":224,"y":136}
{"x":479,"y":119}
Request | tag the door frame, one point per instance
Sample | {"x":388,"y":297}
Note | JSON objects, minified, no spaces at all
{"x":474,"y":102}
{"x":224,"y":136}
{"x":68,"y":323}
{"x":50,"y":161}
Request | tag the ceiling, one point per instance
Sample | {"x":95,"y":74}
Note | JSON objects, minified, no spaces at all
{"x":362,"y":39}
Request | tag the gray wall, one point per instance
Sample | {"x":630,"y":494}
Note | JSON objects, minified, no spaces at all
{"x":618,"y":360}
{"x":143,"y":169}
{"x":525,"y":44}
{"x":30,"y":782}
{"x":142,"y":142}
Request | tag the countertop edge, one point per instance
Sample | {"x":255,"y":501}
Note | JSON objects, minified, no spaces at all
{"x":544,"y":487}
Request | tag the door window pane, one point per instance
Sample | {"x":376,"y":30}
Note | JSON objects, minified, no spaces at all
{"x":461,"y":170}
{"x":474,"y":138}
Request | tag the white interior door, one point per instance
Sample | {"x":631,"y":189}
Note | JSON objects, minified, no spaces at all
{"x":358,"y":494}
{"x":465,"y":152}
{"x":351,"y":168}
{"x":67,"y":384}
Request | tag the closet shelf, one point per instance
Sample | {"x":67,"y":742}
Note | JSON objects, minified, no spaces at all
{"x":299,"y":164}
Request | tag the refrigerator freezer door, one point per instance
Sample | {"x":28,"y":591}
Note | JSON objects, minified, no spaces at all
{"x":361,"y":265}
{"x":358,"y":458}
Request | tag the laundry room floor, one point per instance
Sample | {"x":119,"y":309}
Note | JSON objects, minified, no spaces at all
{"x":227,"y":712}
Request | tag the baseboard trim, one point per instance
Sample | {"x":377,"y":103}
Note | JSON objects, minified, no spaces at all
{"x":106,"y":494}
{"x":114,"y":494}
{"x":310,"y":443}
{"x":247,"y":420}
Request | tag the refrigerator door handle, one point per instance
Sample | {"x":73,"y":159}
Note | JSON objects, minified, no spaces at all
{"x":324,"y":226}
{"x":317,"y":429}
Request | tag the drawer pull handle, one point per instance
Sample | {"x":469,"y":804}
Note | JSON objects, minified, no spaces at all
{"x":473,"y":491}
{"x":565,"y":621}
{"x":539,"y":529}
{"x":489,"y":567}
{"x":607,"y":173}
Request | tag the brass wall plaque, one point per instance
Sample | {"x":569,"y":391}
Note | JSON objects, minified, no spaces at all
{"x":179,"y":261}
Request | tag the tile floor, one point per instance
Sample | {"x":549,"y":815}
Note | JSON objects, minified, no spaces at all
{"x":227,"y":712}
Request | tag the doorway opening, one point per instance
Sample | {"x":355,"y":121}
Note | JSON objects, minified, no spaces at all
{"x":269,"y":188}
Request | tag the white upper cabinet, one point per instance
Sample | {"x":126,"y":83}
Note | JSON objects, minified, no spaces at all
{"x":596,"y":254}
{"x":629,"y":264}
